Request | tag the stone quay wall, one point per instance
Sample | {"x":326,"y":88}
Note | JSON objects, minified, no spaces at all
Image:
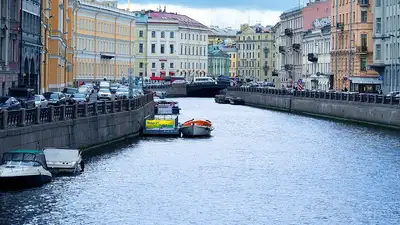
{"x":365,"y":108}
{"x":74,"y":126}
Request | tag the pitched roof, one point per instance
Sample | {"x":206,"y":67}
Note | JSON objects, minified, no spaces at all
{"x":182,"y":19}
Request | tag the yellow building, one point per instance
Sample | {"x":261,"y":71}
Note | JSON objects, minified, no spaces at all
{"x":233,"y":60}
{"x":104,"y":41}
{"x":56,"y":63}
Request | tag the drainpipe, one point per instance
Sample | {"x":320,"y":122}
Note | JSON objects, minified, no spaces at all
{"x":20,"y":46}
{"x":95,"y":46}
{"x":336,"y":40}
{"x":350,"y":37}
{"x":77,"y":7}
{"x":115,"y":47}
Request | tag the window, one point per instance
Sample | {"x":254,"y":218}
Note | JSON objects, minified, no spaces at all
{"x":162,"y":34}
{"x":153,"y":34}
{"x":181,"y":49}
{"x":153,"y":74}
{"x":171,"y":49}
{"x":153,"y":48}
{"x":140,"y":74}
{"x":140,"y":33}
{"x":378,"y":29}
{"x":364,"y":17}
{"x":378,"y":3}
{"x":153,"y":65}
{"x":162,"y":66}
{"x":378,"y":52}
{"x":181,"y":36}
{"x":363,"y":64}
{"x":141,"y":65}
{"x":363,"y":40}
{"x":141,"y":48}
{"x":171,"y":34}
{"x":171,"y":65}
{"x":162,"y":49}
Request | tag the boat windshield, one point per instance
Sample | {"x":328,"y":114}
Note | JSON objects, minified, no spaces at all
{"x":25,"y":158}
{"x":21,"y":163}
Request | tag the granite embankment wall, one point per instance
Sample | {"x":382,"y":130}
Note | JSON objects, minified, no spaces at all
{"x":372,"y":109}
{"x":174,"y":90}
{"x":74,"y":126}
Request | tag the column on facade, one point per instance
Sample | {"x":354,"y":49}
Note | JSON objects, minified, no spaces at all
{"x":7,"y":36}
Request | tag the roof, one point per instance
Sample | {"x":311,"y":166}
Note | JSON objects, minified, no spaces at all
{"x":182,"y":19}
{"x":31,"y":151}
{"x":222,"y":32}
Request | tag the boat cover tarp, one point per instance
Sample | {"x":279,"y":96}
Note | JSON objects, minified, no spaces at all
{"x":26,"y":155}
{"x":61,"y":155}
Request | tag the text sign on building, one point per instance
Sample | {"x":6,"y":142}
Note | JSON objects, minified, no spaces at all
{"x":321,"y":22}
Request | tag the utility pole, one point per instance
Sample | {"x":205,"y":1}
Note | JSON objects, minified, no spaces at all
{"x":336,"y":40}
{"x":350,"y":38}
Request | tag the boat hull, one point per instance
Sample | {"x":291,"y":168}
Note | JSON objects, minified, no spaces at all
{"x":195,"y":131}
{"x":27,"y":181}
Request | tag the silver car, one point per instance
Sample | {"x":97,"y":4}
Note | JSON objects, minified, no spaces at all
{"x":41,"y":101}
{"x":104,"y":94}
{"x":122,"y":93}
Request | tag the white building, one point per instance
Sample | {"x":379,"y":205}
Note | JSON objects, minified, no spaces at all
{"x":176,"y":45}
{"x":317,"y":58}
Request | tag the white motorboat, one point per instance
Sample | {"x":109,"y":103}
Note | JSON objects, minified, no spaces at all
{"x":196,"y":128}
{"x":64,"y":160}
{"x":23,"y":169}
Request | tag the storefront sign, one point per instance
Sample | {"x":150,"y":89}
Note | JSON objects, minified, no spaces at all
{"x":160,"y":124}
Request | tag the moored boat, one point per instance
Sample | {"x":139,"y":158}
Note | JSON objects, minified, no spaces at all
{"x":196,"y":128}
{"x":164,"y":107}
{"x":64,"y":160}
{"x":23,"y":169}
{"x":222,"y":99}
{"x":236,"y":101}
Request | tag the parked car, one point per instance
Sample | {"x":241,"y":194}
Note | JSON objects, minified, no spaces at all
{"x":80,"y":98}
{"x":393,"y":93}
{"x":26,"y":96}
{"x":41,"y":101}
{"x":90,"y":87}
{"x":122,"y":93}
{"x":114,"y":87}
{"x":56,"y":98}
{"x":69,"y":91}
{"x":9,"y":103}
{"x":104,"y":93}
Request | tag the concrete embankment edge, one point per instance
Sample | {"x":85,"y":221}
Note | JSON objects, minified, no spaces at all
{"x":386,"y":116}
{"x":85,"y":133}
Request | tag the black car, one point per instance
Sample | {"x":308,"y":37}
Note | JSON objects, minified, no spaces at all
{"x":70,"y":91}
{"x":9,"y":103}
{"x":26,"y":96}
{"x":56,"y":98}
{"x":80,"y":98}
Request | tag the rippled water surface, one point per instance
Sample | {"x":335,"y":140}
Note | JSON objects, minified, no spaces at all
{"x":259,"y":167}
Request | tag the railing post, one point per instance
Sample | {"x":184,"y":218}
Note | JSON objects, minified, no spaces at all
{"x":62,"y":112}
{"x":95,"y":111}
{"x":104,"y":107}
{"x":51,"y":116}
{"x":74,"y":111}
{"x":112,"y":106}
{"x":4,"y":125}
{"x":120,"y":105}
{"x":391,"y":100}
{"x":37,"y":117}
{"x":129,"y":104}
{"x":85,"y":109}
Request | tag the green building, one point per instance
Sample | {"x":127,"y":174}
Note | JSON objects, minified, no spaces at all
{"x":219,"y":62}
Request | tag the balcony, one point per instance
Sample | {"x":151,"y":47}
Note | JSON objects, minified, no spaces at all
{"x":282,"y":49}
{"x":288,"y":67}
{"x":362,"y":49}
{"x":296,"y":46}
{"x":363,"y":3}
{"x":288,"y":31}
{"x":275,"y":73}
{"x":312,"y":57}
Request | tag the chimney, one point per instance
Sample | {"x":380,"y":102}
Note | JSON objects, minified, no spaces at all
{"x":165,"y":8}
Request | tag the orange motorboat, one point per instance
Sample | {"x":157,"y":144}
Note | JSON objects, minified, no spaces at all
{"x":192,"y":128}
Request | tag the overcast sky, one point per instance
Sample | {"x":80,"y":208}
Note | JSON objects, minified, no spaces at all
{"x":222,"y":13}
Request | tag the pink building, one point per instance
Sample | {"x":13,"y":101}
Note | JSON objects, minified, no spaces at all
{"x":315,"y":9}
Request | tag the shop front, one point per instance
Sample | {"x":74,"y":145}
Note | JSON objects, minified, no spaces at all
{"x":365,"y":84}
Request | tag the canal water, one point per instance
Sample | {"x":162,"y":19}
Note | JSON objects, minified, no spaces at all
{"x":259,"y":167}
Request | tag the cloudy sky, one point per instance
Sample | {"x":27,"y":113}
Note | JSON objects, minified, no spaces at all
{"x":222,"y":13}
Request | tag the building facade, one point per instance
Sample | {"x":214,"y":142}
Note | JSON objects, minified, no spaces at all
{"x":317,"y":58}
{"x":30,"y":44}
{"x":386,"y":39}
{"x":218,"y":61}
{"x":254,"y":57}
{"x":232,"y":52}
{"x":10,"y":39}
{"x":289,"y":50}
{"x":141,"y":34}
{"x":221,"y":35}
{"x":103,"y":42}
{"x":352,"y":46}
{"x":277,"y":57}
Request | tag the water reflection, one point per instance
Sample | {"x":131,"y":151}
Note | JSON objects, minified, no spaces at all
{"x":259,"y":167}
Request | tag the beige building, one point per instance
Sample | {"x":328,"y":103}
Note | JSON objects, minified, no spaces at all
{"x":254,"y":58}
{"x":352,"y":45}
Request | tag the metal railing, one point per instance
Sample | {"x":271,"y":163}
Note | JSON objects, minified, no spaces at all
{"x":28,"y":117}
{"x":338,"y":96}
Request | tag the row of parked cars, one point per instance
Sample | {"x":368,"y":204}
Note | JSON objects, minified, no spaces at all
{"x":110,"y":91}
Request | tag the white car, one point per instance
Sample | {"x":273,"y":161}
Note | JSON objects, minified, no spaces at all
{"x":104,"y":94}
{"x":41,"y":101}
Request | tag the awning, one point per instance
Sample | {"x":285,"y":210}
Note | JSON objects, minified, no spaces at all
{"x":162,"y":72}
{"x":156,"y":78}
{"x":171,"y":73}
{"x":365,"y":80}
{"x":106,"y":55}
